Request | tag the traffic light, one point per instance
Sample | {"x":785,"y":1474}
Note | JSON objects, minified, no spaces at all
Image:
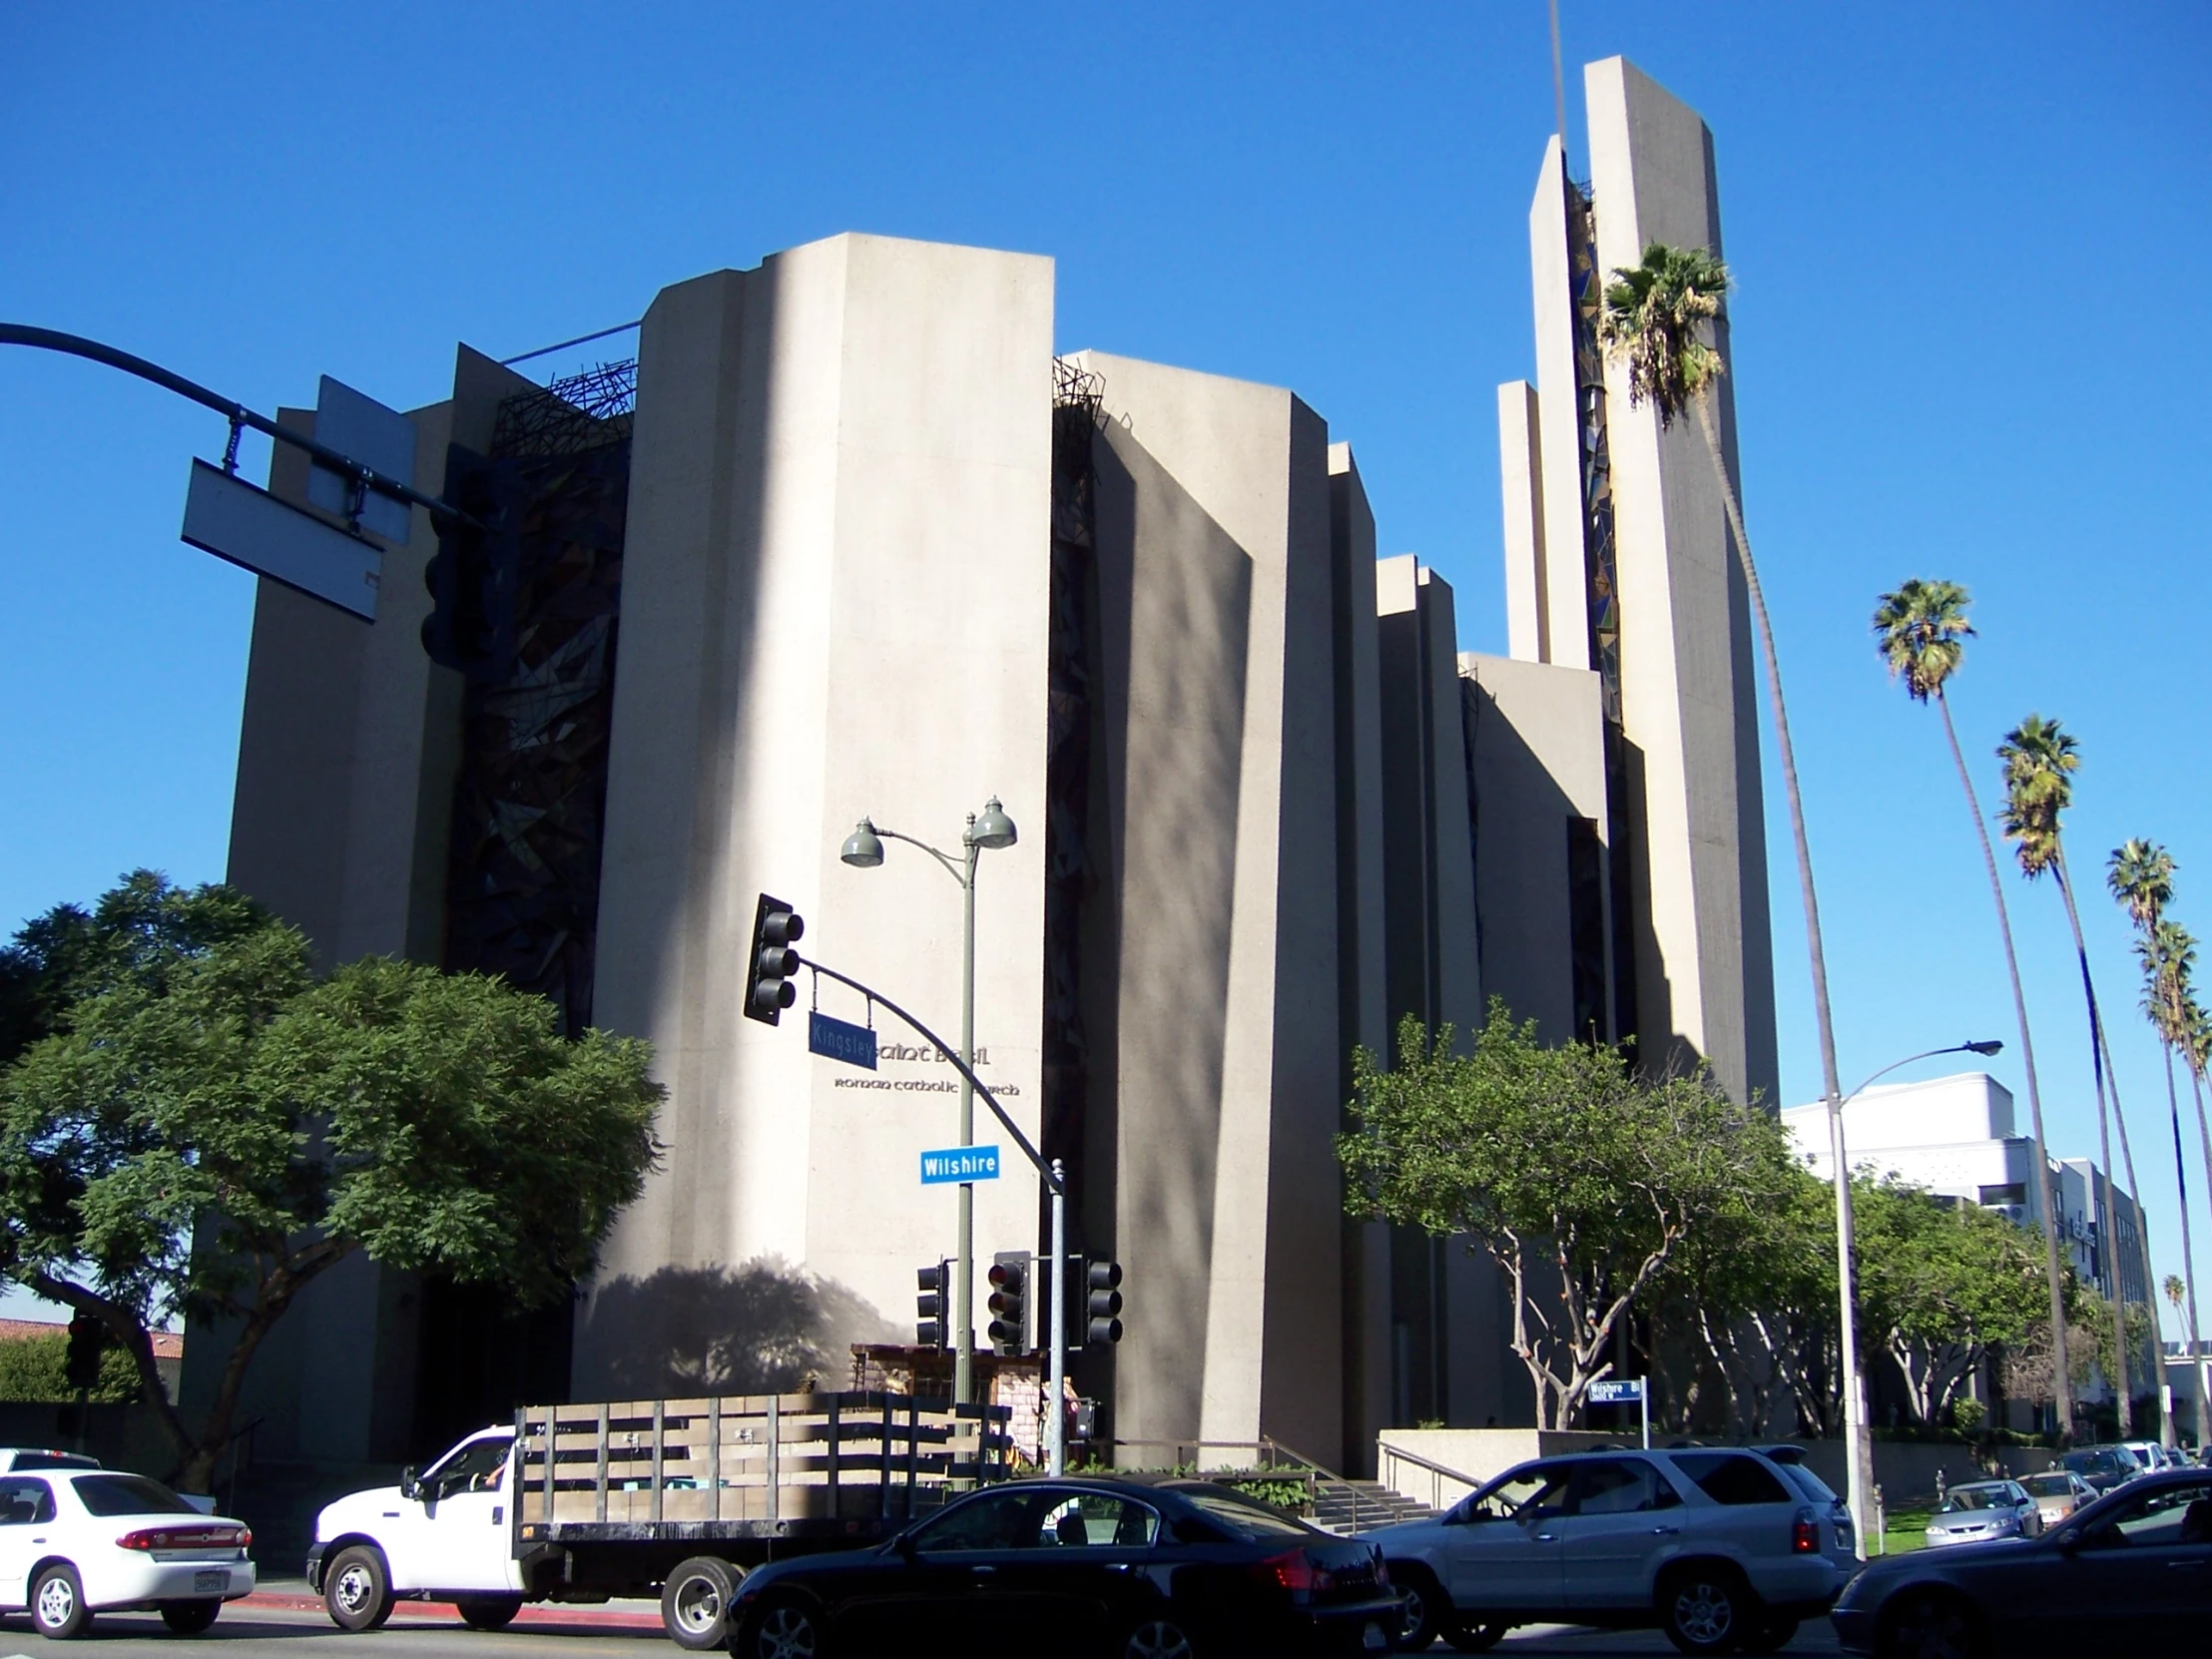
{"x":473,"y":575}
{"x":1102,"y":1302}
{"x":934,"y":1306}
{"x":1009,"y":1302}
{"x":768,"y":976}
{"x":86,"y":1338}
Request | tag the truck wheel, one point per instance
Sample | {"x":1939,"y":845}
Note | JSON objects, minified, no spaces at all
{"x":1427,"y":1606}
{"x":694,"y":1602}
{"x":189,"y":1618}
{"x":1704,"y":1609}
{"x":58,"y":1609}
{"x":488,"y":1613}
{"x":356,"y":1589}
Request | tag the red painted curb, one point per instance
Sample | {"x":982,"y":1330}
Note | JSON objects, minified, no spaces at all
{"x":553,"y":1613}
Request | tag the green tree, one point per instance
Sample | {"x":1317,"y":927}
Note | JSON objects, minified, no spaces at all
{"x":1578,"y":1177}
{"x":36,"y":1369}
{"x":1942,"y":1285}
{"x":1921,"y":631}
{"x":2140,"y":874}
{"x":212,"y":1128}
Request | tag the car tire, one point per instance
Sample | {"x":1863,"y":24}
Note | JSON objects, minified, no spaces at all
{"x":1476,"y":1638}
{"x":1705,"y":1609}
{"x":1156,"y":1637}
{"x":356,"y":1589}
{"x":781,"y":1628}
{"x":1930,"y":1625}
{"x":58,"y":1609}
{"x":1427,"y":1608}
{"x":694,"y":1602}
{"x":190,"y":1618}
{"x":488,"y":1613}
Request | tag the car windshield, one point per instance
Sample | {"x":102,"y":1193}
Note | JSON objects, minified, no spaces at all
{"x":2048,"y":1485}
{"x":127,"y":1495}
{"x":1977,"y":1498}
{"x":1520,"y":1494}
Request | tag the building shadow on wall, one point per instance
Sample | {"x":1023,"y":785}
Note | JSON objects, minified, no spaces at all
{"x":766,"y":1326}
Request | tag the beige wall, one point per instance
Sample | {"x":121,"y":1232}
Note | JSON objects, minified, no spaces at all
{"x":1219,"y":716}
{"x":1539,"y":760}
{"x":834,"y":604}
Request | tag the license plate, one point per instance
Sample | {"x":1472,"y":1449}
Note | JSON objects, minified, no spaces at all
{"x":211,"y":1583}
{"x":1372,"y":1639}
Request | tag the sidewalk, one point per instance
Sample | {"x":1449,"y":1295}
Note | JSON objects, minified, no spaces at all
{"x":291,"y":1595}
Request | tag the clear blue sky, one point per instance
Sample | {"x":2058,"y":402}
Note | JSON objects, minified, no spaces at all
{"x":1970,"y":241}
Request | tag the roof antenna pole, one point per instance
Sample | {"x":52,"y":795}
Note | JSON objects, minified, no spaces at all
{"x":1558,"y":84}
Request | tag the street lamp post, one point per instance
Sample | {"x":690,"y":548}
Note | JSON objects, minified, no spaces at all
{"x":864,"y":849}
{"x":1857,"y":1442}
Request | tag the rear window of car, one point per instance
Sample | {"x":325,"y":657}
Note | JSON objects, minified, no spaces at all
{"x":127,"y":1495}
{"x":1732,"y":1478}
{"x":1811,"y":1484}
{"x":1244,"y":1518}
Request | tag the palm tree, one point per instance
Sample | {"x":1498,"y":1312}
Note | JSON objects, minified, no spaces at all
{"x":2140,"y":874}
{"x":1655,"y":319}
{"x":2039,"y":762}
{"x":1920,"y":631}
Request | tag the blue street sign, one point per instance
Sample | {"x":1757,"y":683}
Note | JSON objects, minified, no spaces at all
{"x":1616,"y":1394}
{"x":959,"y":1163}
{"x":838,"y":1039}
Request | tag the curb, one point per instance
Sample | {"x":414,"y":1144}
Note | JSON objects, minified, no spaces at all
{"x":445,"y":1612}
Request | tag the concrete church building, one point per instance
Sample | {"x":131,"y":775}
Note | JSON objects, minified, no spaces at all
{"x":859,"y":543}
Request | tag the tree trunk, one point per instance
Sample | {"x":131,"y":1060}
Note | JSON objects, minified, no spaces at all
{"x":2051,"y":1273}
{"x":2143,"y":1230}
{"x":2188,"y":1251}
{"x":1847,"y":1335}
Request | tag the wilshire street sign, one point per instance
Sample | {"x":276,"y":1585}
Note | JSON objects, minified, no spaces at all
{"x":1626,"y":1390}
{"x":959,"y":1163}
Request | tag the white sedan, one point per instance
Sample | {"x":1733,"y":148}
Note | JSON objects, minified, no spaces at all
{"x":73,"y":1543}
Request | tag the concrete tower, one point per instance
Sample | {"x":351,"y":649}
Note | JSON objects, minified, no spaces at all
{"x":1618,"y":562}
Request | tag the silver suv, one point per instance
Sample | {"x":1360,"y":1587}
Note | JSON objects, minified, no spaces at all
{"x":1723,"y":1549}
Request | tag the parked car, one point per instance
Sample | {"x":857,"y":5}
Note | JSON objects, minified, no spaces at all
{"x":1120,"y":1569}
{"x":1723,"y":1549}
{"x":2129,"y":1571}
{"x":1980,"y":1511}
{"x":2057,"y":1493}
{"x":2103,"y":1466}
{"x":2152,"y":1456}
{"x":77,"y":1541}
{"x":13,"y":1457}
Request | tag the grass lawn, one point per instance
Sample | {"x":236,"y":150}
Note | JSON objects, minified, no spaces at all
{"x":1904,"y":1530}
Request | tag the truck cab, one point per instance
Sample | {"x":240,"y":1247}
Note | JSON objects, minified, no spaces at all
{"x":444,"y":1533}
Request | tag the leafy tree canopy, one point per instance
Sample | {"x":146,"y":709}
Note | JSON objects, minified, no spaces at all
{"x":207,"y":1127}
{"x":1561,"y":1155}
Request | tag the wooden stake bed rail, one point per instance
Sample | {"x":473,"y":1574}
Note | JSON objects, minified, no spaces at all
{"x":747,"y":1466}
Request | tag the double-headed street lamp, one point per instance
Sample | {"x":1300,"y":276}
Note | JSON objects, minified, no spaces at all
{"x":864,"y":849}
{"x":1858,"y":1443}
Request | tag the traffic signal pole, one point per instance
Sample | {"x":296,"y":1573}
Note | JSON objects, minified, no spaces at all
{"x":1052,"y":1174}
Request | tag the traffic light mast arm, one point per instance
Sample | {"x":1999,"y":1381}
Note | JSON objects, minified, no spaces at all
{"x":1044,"y":1169}
{"x":76,"y":346}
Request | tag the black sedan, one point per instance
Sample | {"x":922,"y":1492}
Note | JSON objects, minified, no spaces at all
{"x":1120,"y":1569}
{"x":2132,"y":1569}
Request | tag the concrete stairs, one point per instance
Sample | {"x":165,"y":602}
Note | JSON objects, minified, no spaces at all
{"x":1349,"y":1506}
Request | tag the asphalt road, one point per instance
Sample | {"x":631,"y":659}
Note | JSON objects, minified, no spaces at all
{"x":262,"y":1632}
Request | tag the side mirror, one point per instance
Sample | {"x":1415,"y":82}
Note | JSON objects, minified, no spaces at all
{"x":410,"y":1482}
{"x":2066,"y":1540}
{"x":904,"y":1544}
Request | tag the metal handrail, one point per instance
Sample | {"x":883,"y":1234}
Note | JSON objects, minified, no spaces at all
{"x":1270,"y":1448}
{"x":1435,"y":1469}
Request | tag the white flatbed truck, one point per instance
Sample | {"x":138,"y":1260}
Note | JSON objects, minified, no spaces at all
{"x":678,"y":1498}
